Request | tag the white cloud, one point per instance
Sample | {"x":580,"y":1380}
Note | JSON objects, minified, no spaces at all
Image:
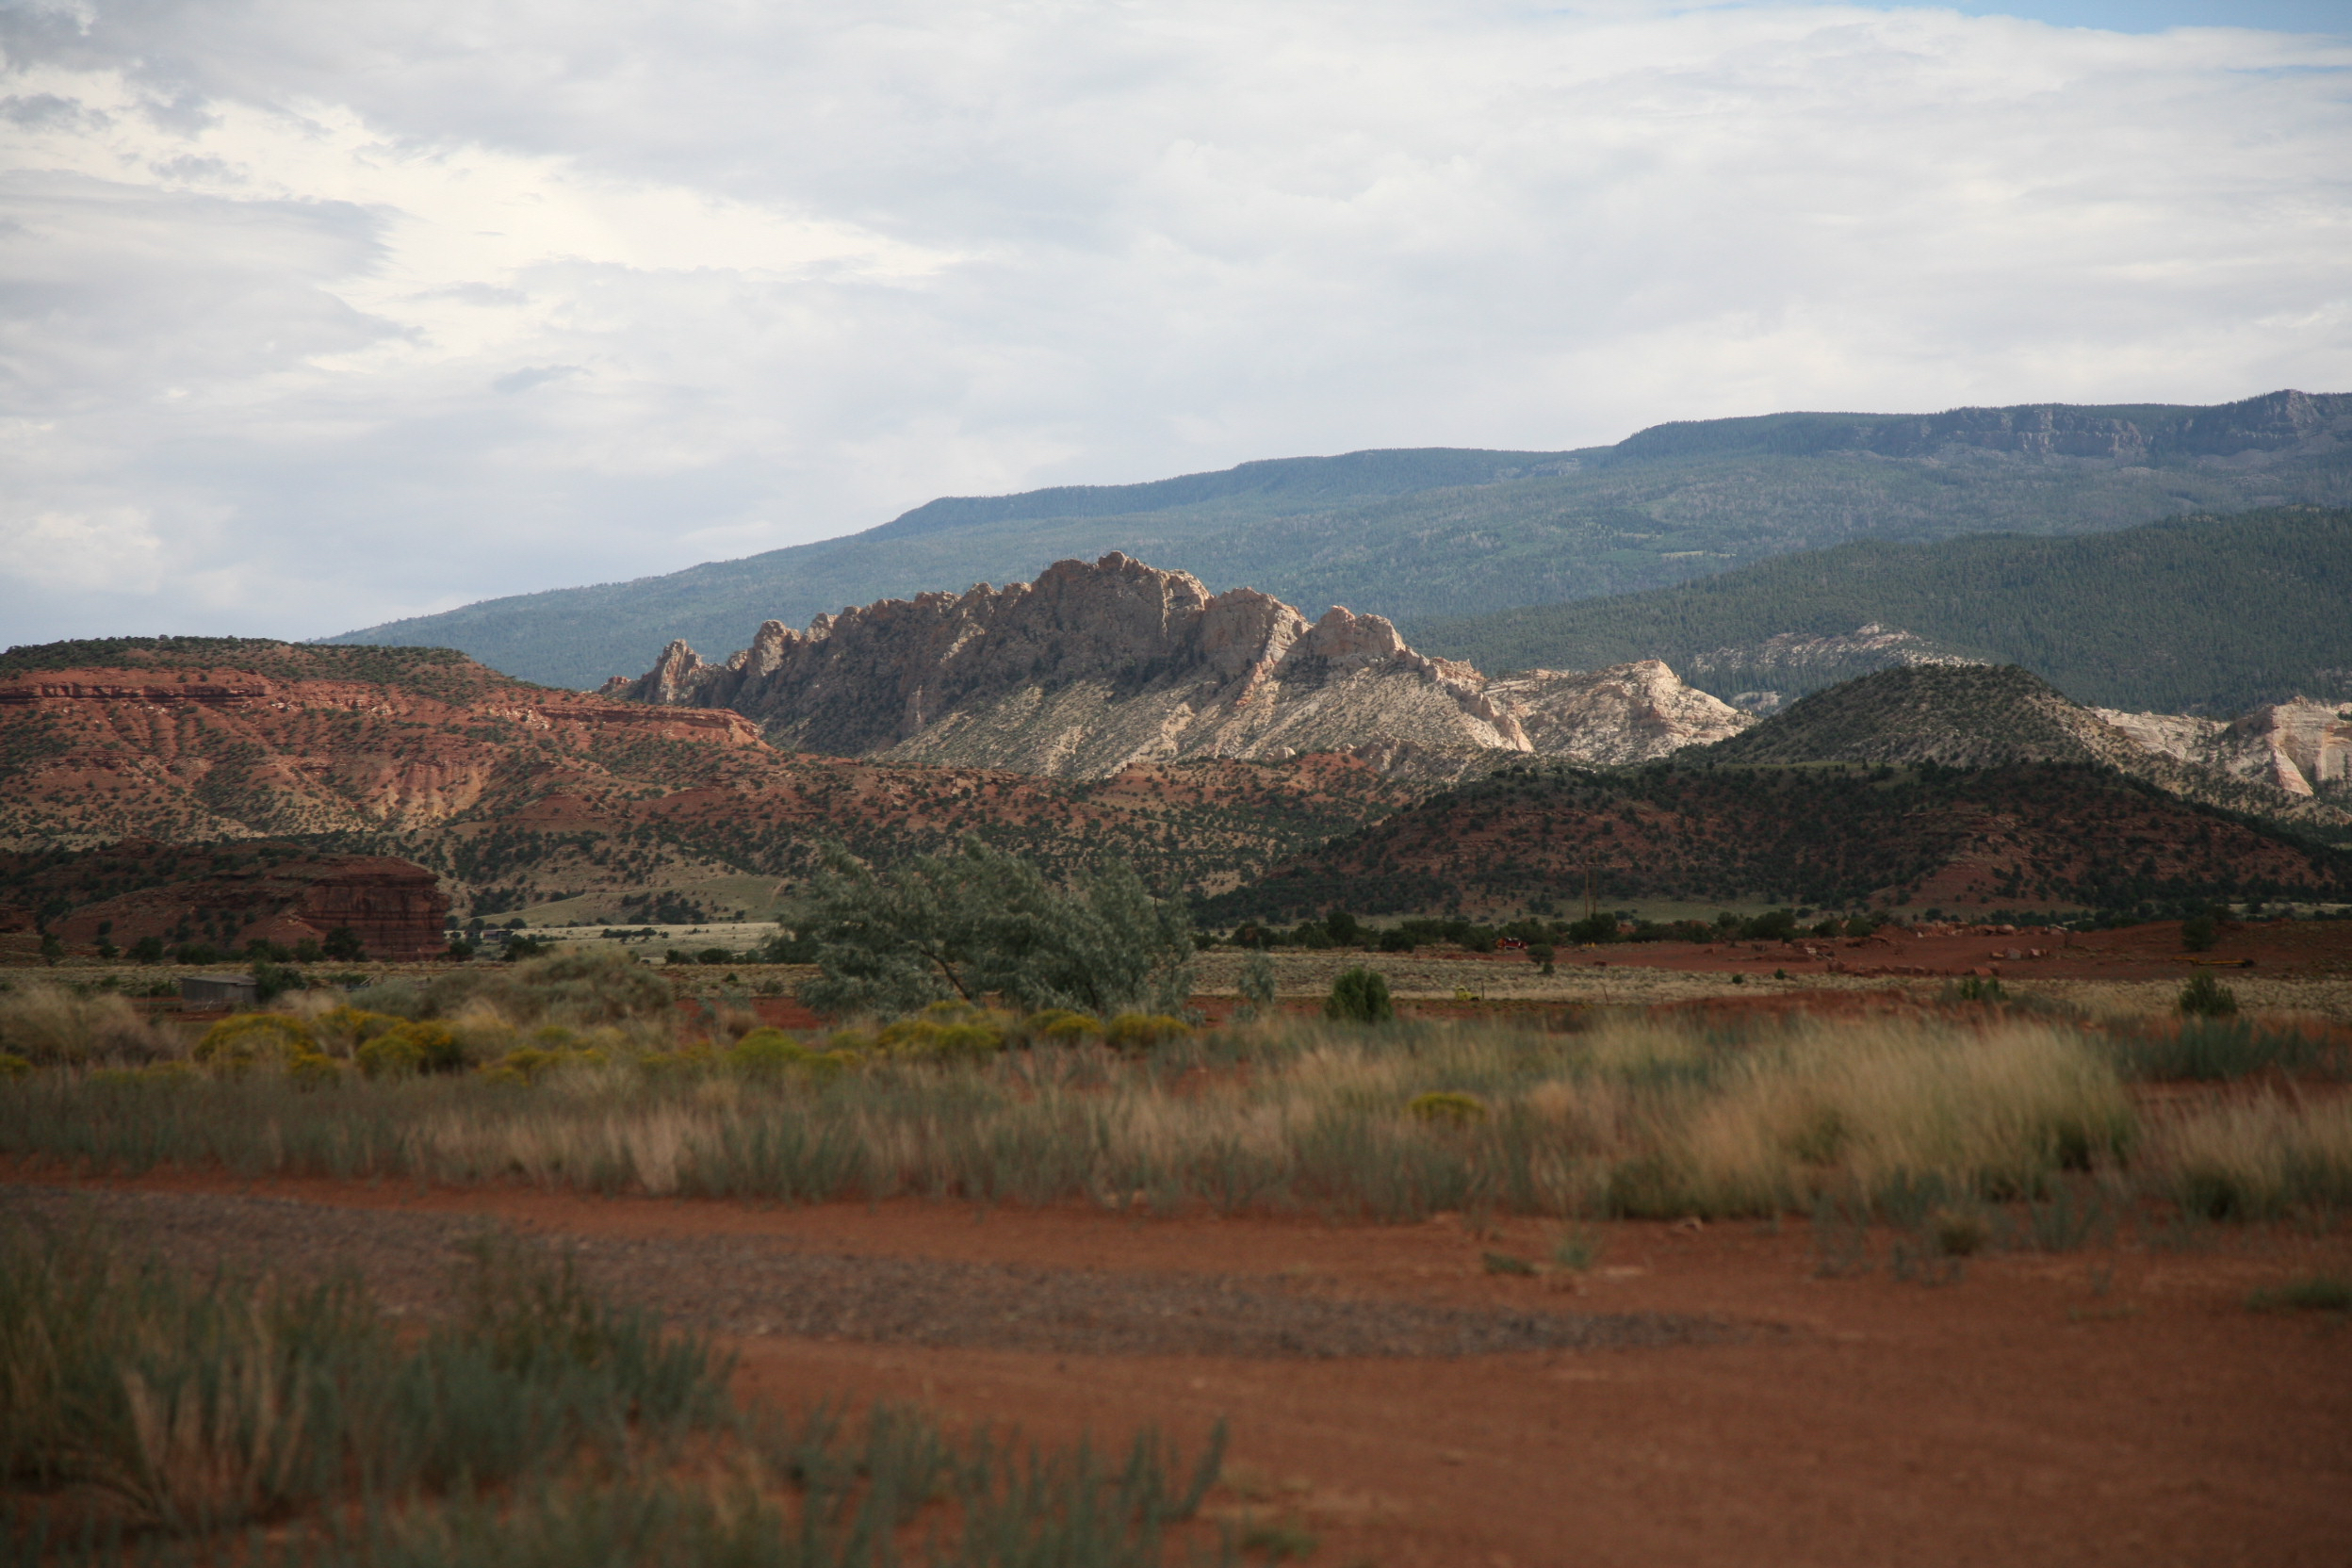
{"x":355,"y":311}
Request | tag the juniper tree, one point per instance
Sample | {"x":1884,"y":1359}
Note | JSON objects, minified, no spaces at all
{"x":975,"y":921}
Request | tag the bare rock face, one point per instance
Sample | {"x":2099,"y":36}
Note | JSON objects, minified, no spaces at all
{"x":1096,"y":667}
{"x":2302,"y":748}
{"x":1625,"y":714}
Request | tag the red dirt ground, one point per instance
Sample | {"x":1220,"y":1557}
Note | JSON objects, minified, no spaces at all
{"x":2118,"y":1407}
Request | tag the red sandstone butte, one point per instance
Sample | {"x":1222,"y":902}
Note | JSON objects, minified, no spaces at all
{"x":395,"y":907}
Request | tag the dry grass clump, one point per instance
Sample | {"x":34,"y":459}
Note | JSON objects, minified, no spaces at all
{"x":51,"y":1026}
{"x":578,"y":989}
{"x":140,"y":1404}
{"x":2258,"y":1158}
{"x":198,"y":1403}
{"x":1995,"y":1112}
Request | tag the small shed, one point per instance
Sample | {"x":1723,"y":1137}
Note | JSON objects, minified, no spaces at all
{"x":219,"y":990}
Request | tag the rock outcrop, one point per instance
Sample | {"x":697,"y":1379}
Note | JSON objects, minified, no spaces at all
{"x":1625,"y":714}
{"x":2302,"y":748}
{"x":1093,"y":668}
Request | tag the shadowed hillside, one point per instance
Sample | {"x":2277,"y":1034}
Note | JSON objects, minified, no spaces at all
{"x":2042,"y":835}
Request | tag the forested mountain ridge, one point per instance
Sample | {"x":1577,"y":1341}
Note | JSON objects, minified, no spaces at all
{"x":1448,"y":531}
{"x":2192,"y":615}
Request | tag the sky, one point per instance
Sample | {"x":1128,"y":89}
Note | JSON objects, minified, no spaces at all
{"x":312,"y":317}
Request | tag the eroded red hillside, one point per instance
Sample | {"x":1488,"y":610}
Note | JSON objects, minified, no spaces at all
{"x":520,"y":796}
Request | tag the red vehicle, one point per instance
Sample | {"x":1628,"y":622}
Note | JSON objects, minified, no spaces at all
{"x":1511,"y":944}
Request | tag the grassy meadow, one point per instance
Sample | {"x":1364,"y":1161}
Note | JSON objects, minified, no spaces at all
{"x":577,"y":1072}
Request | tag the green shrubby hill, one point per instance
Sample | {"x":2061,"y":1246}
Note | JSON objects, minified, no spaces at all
{"x":2197,"y":614}
{"x":1453,"y":532}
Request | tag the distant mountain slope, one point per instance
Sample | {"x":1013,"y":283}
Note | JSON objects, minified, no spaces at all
{"x":2196,"y":614}
{"x":1975,"y":716}
{"x":1444,"y":532}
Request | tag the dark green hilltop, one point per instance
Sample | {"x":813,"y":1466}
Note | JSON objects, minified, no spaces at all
{"x":1446,"y":533}
{"x":2197,"y":615}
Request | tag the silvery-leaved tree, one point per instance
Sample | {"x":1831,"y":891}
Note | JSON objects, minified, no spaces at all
{"x":974,"y":921}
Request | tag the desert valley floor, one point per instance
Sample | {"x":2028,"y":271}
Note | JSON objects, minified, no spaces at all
{"x":1730,"y":1391}
{"x":1722,"y":1401}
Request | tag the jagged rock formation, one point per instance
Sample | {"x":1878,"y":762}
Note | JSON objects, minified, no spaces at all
{"x":1097,"y":668}
{"x":2302,"y":748}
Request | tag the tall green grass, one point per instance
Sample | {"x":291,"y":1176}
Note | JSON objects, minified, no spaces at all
{"x":2212,"y":1049}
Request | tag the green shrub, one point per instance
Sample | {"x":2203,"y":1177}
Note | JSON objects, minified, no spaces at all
{"x":766,"y":1050}
{"x":1577,"y":1250}
{"x":1256,"y":983}
{"x":1960,"y":1233}
{"x":944,"y":1032}
{"x":2310,"y":1293}
{"x":245,"y":1040}
{"x":273,"y":980}
{"x":2200,"y":933}
{"x":2206,"y":997}
{"x":2213,"y":1050}
{"x":1594,"y":929}
{"x":1061,"y":1026}
{"x":528,"y":1064}
{"x":1360,"y":996}
{"x":313,"y":1070}
{"x":1447,"y":1106}
{"x":978,"y":921}
{"x":1141,"y":1031}
{"x":417,"y":1046}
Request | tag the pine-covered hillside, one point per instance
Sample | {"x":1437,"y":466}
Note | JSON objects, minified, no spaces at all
{"x":2198,"y":614}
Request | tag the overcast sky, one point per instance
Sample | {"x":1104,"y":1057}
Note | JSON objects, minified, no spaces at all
{"x":312,"y":316}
